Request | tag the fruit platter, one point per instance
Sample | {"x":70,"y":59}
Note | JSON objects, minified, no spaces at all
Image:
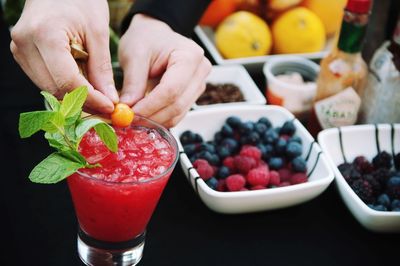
{"x":249,"y":32}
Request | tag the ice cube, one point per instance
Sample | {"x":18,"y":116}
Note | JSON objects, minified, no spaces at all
{"x":158,"y":170}
{"x":99,"y":154}
{"x":147,"y":148}
{"x":160,"y":144}
{"x":143,"y":169}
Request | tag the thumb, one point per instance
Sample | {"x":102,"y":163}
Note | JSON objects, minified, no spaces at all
{"x":100,"y":71}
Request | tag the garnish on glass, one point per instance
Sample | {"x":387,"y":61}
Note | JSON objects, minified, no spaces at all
{"x":64,"y":128}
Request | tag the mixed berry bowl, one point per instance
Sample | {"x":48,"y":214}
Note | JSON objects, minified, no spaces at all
{"x":250,"y":158}
{"x":366,"y":163}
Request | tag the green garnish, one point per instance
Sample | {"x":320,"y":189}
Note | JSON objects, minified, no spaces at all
{"x":64,"y":129}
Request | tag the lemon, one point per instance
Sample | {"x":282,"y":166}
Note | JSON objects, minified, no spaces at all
{"x":243,"y":34}
{"x":298,"y":30}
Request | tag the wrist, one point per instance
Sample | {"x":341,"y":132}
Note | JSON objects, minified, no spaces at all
{"x":140,"y":19}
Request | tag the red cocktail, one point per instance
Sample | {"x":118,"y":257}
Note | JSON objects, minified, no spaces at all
{"x":114,"y":202}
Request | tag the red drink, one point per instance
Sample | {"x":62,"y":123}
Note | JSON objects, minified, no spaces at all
{"x":114,"y":202}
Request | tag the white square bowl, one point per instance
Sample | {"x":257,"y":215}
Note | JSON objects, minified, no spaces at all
{"x":207,"y":121}
{"x":344,"y":144}
{"x":237,"y":75}
{"x":206,"y":36}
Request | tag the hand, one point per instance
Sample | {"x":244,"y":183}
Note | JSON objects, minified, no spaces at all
{"x":41,"y":45}
{"x":151,"y":49}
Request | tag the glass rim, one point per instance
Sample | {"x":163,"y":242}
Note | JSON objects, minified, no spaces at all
{"x":173,"y":143}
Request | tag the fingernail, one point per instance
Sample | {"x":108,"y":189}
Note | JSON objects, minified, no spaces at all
{"x":112,"y":93}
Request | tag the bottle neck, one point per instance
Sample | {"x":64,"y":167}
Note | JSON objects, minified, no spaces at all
{"x":352,"y":32}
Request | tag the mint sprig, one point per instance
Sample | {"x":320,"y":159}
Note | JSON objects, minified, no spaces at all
{"x":64,"y":129}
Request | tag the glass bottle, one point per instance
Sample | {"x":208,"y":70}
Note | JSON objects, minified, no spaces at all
{"x":381,"y":98}
{"x":343,"y":73}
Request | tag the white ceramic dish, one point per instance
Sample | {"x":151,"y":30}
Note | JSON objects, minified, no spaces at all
{"x":237,"y":75}
{"x":207,"y":121}
{"x":206,"y":36}
{"x":344,"y":144}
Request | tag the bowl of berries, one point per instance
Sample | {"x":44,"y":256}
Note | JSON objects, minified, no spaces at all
{"x":250,"y":158}
{"x":366,"y":163}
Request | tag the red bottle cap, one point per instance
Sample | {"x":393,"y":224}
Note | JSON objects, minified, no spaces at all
{"x":359,"y":6}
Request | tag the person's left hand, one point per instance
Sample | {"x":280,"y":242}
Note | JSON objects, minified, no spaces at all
{"x":151,"y":49}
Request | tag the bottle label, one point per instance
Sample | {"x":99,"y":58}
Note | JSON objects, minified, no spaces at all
{"x":339,"y":67}
{"x":338,"y":110}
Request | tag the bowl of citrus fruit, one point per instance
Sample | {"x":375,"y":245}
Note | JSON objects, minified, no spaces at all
{"x":249,"y":32}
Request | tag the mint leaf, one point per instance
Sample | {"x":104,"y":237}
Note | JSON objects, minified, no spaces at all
{"x":107,"y":135}
{"x":56,"y":140}
{"x":32,"y":122}
{"x":52,"y":101}
{"x":85,"y":125}
{"x":54,"y":169}
{"x":73,"y":102}
{"x":73,"y":119}
{"x":55,"y":124}
{"x":73,"y":156}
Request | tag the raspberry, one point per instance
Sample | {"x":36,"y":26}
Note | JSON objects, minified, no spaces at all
{"x":298,"y":178}
{"x":258,"y":177}
{"x":229,"y":162}
{"x":244,"y":164}
{"x":205,"y":170}
{"x":274,"y":178}
{"x":258,"y":187}
{"x":251,"y":151}
{"x":284,"y":174}
{"x":382,"y":175}
{"x":284,"y":184}
{"x":235,"y":182}
{"x":244,"y":189}
{"x":221,"y":186}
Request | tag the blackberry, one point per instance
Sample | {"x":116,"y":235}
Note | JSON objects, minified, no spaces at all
{"x":364,"y":190}
{"x":349,"y":172}
{"x":382,"y":160}
{"x":382,"y":176}
{"x":363,"y":165}
{"x":376,"y":186}
{"x":396,"y":160}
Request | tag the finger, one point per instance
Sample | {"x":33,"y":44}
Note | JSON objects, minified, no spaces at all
{"x":175,"y":80}
{"x":173,"y":113}
{"x":56,"y":54}
{"x":136,"y":72}
{"x":100,"y":72}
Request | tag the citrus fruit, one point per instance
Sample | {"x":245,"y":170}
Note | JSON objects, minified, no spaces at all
{"x":122,"y":115}
{"x":216,"y":11}
{"x":243,"y":34}
{"x":298,"y":30}
{"x":330,"y":13}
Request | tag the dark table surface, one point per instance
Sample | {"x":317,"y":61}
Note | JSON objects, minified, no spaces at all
{"x":39,"y":223}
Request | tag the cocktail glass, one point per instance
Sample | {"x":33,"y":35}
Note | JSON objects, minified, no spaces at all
{"x":113,"y":216}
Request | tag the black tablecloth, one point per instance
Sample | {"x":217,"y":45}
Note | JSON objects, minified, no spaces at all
{"x":39,"y":225}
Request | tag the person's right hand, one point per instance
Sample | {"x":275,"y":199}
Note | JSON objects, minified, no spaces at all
{"x":41,"y":45}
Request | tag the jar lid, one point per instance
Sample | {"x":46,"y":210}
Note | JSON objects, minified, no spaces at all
{"x":359,"y":6}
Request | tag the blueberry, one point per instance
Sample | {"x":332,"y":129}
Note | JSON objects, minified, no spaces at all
{"x":396,"y":160}
{"x":218,"y":137}
{"x":393,"y":181}
{"x":187,"y":137}
{"x":270,"y":136}
{"x":378,"y":207}
{"x":299,"y":165}
{"x":296,"y":138}
{"x":288,"y":128}
{"x":269,"y":152}
{"x":190,"y":149}
{"x":234,"y":122}
{"x":265,"y":121}
{"x":384,"y":200}
{"x":207,"y":147}
{"x":227,"y":130}
{"x":223,"y":172}
{"x":212,"y":183}
{"x":280,"y":146}
{"x":293,"y":149}
{"x":395,"y":204}
{"x":231,"y":144}
{"x":197,"y":138}
{"x":275,"y":163}
{"x":223,"y":151}
{"x":260,"y":128}
{"x":206,"y":155}
{"x":246,"y":127}
{"x":396,"y":209}
{"x":253,"y":138}
{"x":214,"y":159}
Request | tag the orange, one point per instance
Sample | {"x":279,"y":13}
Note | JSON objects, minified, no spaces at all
{"x":122,"y":115}
{"x":216,"y":11}
{"x":329,"y":11}
{"x":298,"y":30}
{"x":243,"y":34}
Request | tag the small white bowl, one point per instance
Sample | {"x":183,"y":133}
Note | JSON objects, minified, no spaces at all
{"x":237,"y":75}
{"x":346,"y":143}
{"x":207,"y":121}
